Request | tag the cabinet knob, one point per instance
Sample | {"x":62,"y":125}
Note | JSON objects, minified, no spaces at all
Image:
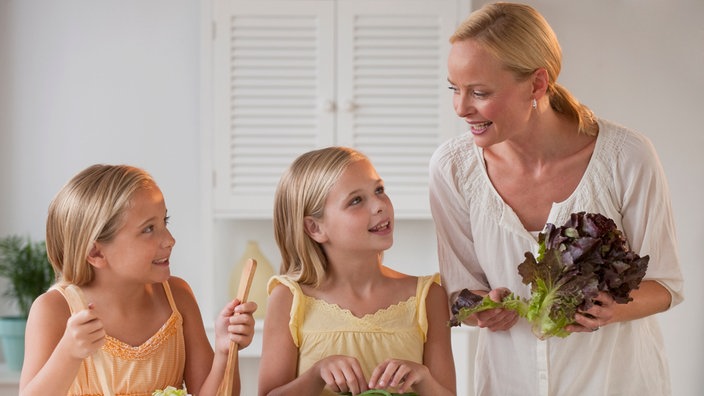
{"x":328,"y":106}
{"x":349,"y":106}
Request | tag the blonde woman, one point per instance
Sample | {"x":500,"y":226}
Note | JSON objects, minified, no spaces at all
{"x":534,"y":155}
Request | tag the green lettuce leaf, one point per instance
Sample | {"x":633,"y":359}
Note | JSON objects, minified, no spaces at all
{"x":575,"y":262}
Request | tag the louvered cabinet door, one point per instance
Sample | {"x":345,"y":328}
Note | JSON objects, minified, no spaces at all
{"x":392,"y":90}
{"x":273,"y":86}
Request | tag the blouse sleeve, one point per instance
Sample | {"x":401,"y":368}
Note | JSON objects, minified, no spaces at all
{"x":647,"y":213}
{"x":458,"y":263}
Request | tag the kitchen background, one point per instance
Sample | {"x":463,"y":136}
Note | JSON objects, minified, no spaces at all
{"x":83,"y":82}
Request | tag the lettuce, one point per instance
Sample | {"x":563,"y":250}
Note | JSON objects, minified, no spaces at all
{"x":575,"y":262}
{"x":169,"y":391}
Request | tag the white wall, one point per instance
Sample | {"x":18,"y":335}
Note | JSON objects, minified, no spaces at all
{"x":84,"y":82}
{"x":119,"y":82}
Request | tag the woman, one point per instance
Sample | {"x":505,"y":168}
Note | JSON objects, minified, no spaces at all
{"x":534,"y":155}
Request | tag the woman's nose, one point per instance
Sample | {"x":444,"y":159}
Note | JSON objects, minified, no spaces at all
{"x":463,"y":105}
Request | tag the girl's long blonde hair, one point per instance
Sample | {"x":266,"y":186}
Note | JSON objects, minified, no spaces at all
{"x":88,"y":209}
{"x":302,"y":192}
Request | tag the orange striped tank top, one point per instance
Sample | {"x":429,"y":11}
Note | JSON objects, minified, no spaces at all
{"x":135,"y":371}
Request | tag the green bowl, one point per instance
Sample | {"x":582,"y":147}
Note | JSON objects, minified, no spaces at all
{"x":380,"y":392}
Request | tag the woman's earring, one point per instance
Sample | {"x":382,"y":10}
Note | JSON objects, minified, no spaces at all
{"x":535,"y":103}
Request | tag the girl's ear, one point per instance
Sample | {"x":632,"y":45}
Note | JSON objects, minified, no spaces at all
{"x":96,"y":258}
{"x":313,"y":229}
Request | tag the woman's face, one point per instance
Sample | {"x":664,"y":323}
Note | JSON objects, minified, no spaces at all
{"x":487,"y":96}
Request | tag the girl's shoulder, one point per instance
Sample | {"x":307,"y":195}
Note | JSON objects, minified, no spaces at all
{"x":182,"y":294}
{"x":52,"y":301}
{"x":179,"y":285}
{"x":49,"y":312}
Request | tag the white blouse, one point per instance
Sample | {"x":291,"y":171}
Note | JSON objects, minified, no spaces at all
{"x":481,"y":241}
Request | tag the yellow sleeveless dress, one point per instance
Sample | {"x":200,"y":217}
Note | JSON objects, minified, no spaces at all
{"x":320,"y":329}
{"x":135,"y":371}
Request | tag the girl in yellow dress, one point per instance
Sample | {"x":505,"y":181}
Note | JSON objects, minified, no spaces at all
{"x":117,"y":322}
{"x":338,"y":321}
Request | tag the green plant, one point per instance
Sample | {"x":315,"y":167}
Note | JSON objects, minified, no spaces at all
{"x":25,"y":265}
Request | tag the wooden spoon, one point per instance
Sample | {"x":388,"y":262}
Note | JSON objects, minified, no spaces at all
{"x":232,"y":365}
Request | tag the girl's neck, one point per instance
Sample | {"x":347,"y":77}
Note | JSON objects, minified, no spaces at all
{"x":119,"y":296}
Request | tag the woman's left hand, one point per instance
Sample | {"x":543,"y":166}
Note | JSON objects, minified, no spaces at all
{"x":600,"y":314}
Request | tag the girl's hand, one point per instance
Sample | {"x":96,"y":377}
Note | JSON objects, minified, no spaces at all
{"x":399,"y":374}
{"x":598,"y":315}
{"x":84,"y":333}
{"x":497,"y":319}
{"x":342,"y":374}
{"x":235,"y":323}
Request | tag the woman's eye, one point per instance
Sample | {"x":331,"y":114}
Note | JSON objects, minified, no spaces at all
{"x":167,"y":219}
{"x":453,"y":89}
{"x":380,"y":190}
{"x":148,"y":229}
{"x":355,"y":200}
{"x":479,"y":94}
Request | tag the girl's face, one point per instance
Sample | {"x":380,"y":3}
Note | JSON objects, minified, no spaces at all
{"x":487,"y":96}
{"x":358,"y":215}
{"x":141,"y":248}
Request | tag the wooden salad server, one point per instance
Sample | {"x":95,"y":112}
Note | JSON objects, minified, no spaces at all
{"x":232,"y":364}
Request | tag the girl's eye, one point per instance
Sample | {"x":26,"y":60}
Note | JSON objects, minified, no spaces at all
{"x":355,"y":201}
{"x":148,"y":229}
{"x":167,"y":219}
{"x":380,"y":190}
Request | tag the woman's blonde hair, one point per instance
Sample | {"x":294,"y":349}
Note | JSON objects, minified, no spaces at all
{"x":89,"y":209}
{"x":522,"y":39}
{"x":302,"y":192}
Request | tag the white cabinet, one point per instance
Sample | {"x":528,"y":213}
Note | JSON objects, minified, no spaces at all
{"x":290,"y":76}
{"x":283,"y":77}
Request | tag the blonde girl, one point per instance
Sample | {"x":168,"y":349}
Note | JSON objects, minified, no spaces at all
{"x":338,"y":320}
{"x":130,"y":326}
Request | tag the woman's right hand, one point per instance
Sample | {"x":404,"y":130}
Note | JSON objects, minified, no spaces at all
{"x":497,"y":319}
{"x":84,"y":333}
{"x":342,"y":374}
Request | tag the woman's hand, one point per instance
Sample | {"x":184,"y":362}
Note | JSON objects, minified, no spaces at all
{"x":342,"y":374}
{"x":600,"y":314}
{"x":497,"y":319}
{"x":399,"y":374}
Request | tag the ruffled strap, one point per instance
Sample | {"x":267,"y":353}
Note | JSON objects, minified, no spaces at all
{"x":424,"y":283}
{"x":296,"y":305}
